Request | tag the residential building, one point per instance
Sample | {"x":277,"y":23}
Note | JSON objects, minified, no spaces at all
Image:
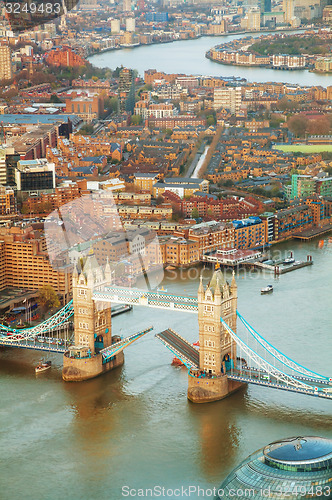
{"x":5,"y":63}
{"x":126,"y":90}
{"x":210,"y":236}
{"x":229,"y":98}
{"x":64,"y":57}
{"x":250,"y":233}
{"x":130,"y":24}
{"x":7,"y":201}
{"x":27,"y":264}
{"x":145,"y":182}
{"x":293,"y":220}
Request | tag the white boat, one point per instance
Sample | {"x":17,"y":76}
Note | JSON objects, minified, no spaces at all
{"x":42,"y":367}
{"x":289,"y":260}
{"x":267,"y":289}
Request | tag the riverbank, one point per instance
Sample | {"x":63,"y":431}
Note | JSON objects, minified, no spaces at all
{"x":247,"y":65}
{"x":188,"y":57}
{"x":273,"y":52}
{"x":207,"y":35}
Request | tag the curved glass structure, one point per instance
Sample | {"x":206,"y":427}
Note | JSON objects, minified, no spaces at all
{"x":293,"y":468}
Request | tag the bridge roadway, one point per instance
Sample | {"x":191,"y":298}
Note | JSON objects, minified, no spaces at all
{"x":180,"y":347}
{"x":256,"y":376}
{"x":117,"y":347}
{"x":134,"y":296}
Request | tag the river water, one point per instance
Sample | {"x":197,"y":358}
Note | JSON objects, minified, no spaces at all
{"x":134,"y":426}
{"x":188,"y":56}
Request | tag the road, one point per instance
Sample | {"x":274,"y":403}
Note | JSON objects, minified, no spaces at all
{"x":181,"y":345}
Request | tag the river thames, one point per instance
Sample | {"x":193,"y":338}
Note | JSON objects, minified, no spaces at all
{"x":134,"y":426}
{"x":188,"y":56}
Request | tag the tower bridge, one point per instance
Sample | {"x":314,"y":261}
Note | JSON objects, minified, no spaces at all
{"x":225,"y":362}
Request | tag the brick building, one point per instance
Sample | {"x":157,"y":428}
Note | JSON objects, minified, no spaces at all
{"x":25,"y":262}
{"x":64,"y":56}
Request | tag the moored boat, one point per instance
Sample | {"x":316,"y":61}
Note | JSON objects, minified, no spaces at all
{"x":289,"y":260}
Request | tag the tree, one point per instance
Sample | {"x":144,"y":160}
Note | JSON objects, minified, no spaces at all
{"x":55,"y":99}
{"x":298,"y":125}
{"x":195,"y":213}
{"x":136,"y":120}
{"x":48,"y":297}
{"x":320,"y":126}
{"x":86,"y":129}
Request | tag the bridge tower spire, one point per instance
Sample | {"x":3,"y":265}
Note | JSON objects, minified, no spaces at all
{"x":92,"y":324}
{"x":217,"y":352}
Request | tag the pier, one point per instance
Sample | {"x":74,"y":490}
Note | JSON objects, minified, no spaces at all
{"x":309,"y":234}
{"x":279,"y":267}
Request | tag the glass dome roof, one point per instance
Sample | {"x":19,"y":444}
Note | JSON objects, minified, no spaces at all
{"x":299,"y":449}
{"x":293,"y":468}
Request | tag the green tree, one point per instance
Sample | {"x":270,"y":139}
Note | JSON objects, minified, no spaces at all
{"x":136,"y":120}
{"x":195,"y":213}
{"x":55,"y":99}
{"x":48,"y":297}
{"x":210,"y":120}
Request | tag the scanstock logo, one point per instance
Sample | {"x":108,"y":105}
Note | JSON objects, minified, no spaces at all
{"x":88,"y":233}
{"x":26,"y":14}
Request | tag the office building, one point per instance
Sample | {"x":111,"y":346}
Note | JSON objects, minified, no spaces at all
{"x":35,"y":175}
{"x":265,"y":6}
{"x":156,"y":17}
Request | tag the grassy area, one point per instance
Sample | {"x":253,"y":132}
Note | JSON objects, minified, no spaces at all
{"x":303,"y":148}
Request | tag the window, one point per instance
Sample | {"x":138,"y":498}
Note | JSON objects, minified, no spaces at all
{"x":209,"y":328}
{"x":208,"y":310}
{"x":83,"y":340}
{"x":209,"y":359}
{"x":82,"y":292}
{"x":209,"y":343}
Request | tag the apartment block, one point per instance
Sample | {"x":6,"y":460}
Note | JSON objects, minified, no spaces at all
{"x":5,"y":63}
{"x":25,"y":262}
{"x":229,"y":98}
{"x":250,"y":233}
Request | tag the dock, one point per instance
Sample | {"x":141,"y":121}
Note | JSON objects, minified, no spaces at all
{"x":279,"y":268}
{"x":309,"y":234}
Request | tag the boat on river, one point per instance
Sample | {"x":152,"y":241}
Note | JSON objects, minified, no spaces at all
{"x":43,"y":366}
{"x":267,"y":289}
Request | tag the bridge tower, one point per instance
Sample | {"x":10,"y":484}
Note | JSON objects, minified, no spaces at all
{"x":92,"y":325}
{"x":217,"y":352}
